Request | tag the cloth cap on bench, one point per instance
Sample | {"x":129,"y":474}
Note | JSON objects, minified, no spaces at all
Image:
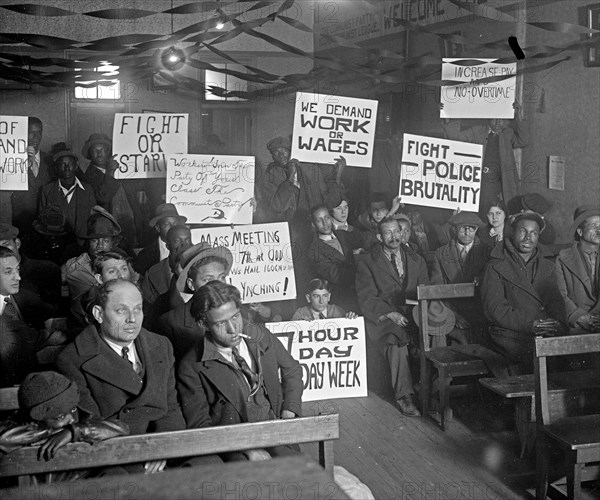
{"x":47,"y":394}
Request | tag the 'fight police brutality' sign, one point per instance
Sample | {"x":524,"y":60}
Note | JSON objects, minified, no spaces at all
{"x":440,"y":173}
{"x":141,"y":142}
{"x":332,"y":355}
{"x":472,"y":99}
{"x":329,"y":126}
{"x":13,"y":153}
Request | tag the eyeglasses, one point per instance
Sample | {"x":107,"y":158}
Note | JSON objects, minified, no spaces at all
{"x":467,"y":229}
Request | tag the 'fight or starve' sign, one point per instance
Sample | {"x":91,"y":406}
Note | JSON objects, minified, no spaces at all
{"x":440,"y":173}
{"x":211,"y":189}
{"x":13,"y":153}
{"x":492,"y":99}
{"x":332,"y":354}
{"x":329,"y":126}
{"x":142,"y":141}
{"x":263,"y":269}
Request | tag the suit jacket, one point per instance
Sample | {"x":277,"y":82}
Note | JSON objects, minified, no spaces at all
{"x":109,"y":388}
{"x":41,"y":277}
{"x":180,"y":327}
{"x":380,"y":290}
{"x":104,"y":186}
{"x":208,"y":386}
{"x":84,"y":200}
{"x":575,"y":285}
{"x":157,"y":281}
{"x":147,"y":257}
{"x":305,"y":314}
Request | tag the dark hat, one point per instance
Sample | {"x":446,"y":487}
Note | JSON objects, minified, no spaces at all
{"x":334,"y":198}
{"x":535,"y":202}
{"x":8,"y":232}
{"x":47,"y":394}
{"x":93,"y":140}
{"x":101,"y":224}
{"x":62,"y":154}
{"x":582,"y":213}
{"x":166,"y":210}
{"x":51,"y":221}
{"x":466,"y":219}
{"x":528,"y":215}
{"x":192,"y":255}
{"x":440,"y":319}
{"x":279,"y":142}
{"x":548,"y":237}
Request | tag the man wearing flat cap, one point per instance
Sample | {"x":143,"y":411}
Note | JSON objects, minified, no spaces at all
{"x":75,"y":198}
{"x":577,"y":272}
{"x":519,"y":294}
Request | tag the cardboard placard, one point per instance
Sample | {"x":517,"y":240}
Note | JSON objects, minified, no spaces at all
{"x":13,"y":153}
{"x":329,"y":126}
{"x":332,"y":354}
{"x":211,"y":189}
{"x":440,"y":173}
{"x":142,"y":141}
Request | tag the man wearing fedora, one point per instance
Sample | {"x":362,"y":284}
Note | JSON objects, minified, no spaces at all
{"x":165,"y":217}
{"x":577,"y":272}
{"x":75,"y":198}
{"x":519,"y":294}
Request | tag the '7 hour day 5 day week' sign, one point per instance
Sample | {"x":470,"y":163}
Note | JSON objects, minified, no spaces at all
{"x":210,"y":189}
{"x":141,"y":142}
{"x":440,"y":173}
{"x":493,"y":98}
{"x":263,"y":269}
{"x":332,"y":355}
{"x":13,"y":153}
{"x":329,"y":126}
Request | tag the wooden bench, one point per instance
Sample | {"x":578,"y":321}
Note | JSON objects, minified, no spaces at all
{"x":164,"y":445}
{"x":9,"y":398}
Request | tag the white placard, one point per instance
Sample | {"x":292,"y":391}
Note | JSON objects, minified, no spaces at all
{"x":440,"y":173}
{"x":263,"y":268}
{"x":211,"y":189}
{"x":13,"y":153}
{"x":142,"y":141}
{"x":332,"y":354}
{"x":556,"y":173}
{"x":478,"y":100}
{"x":329,"y":126}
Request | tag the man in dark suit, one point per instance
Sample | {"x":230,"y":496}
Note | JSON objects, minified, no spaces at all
{"x":577,"y":271}
{"x":385,"y":278}
{"x":122,"y":370}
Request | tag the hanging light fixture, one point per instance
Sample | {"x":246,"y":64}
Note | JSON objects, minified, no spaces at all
{"x":172,"y":58}
{"x":221,"y":17}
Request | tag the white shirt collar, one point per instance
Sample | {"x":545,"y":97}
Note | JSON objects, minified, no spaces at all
{"x":66,"y":190}
{"x":162,"y":249}
{"x":467,"y":247}
{"x":327,"y":237}
{"x":242,"y":349}
{"x":2,"y":303}
{"x":338,"y":225}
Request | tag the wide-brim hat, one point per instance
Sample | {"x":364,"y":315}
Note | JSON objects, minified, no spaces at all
{"x":101,"y":224}
{"x":62,"y":154}
{"x":93,"y":140}
{"x":279,"y":142}
{"x":46,"y":395}
{"x":8,"y":231}
{"x":581,"y":214}
{"x":528,"y":215}
{"x":440,"y":319}
{"x":466,"y":219}
{"x":536,"y":203}
{"x":192,"y":255}
{"x":166,"y":210}
{"x":51,"y":221}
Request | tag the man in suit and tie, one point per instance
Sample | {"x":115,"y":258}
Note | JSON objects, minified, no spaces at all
{"x":385,"y":278}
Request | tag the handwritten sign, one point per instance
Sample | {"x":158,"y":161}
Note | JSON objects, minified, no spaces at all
{"x":473,"y":99}
{"x":332,"y":355}
{"x":263,"y":268}
{"x":142,"y":141}
{"x":440,"y":173}
{"x":329,"y":126}
{"x":210,"y":189}
{"x":13,"y":153}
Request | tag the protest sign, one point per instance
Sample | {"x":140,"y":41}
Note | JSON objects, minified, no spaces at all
{"x":473,"y":99}
{"x":332,"y":355}
{"x":263,"y":269}
{"x":141,"y":142}
{"x":210,"y":189}
{"x":13,"y":153}
{"x":329,"y":126}
{"x":440,"y":173}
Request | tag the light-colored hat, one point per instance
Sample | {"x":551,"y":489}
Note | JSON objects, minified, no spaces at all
{"x":192,"y":255}
{"x":166,"y":210}
{"x":440,"y":319}
{"x":93,"y":140}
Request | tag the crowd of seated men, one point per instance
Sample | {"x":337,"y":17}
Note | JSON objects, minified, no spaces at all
{"x":143,"y":326}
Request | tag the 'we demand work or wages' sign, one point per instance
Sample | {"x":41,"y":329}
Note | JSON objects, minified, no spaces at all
{"x":329,"y":126}
{"x":440,"y":173}
{"x":332,"y":354}
{"x":13,"y":153}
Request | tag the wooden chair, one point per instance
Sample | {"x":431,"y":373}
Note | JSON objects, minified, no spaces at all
{"x":578,"y":436}
{"x":447,"y":361}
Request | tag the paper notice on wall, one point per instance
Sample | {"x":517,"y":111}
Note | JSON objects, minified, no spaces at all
{"x":13,"y":153}
{"x":556,"y":172}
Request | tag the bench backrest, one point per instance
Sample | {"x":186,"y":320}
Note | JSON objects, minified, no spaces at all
{"x":178,"y":444}
{"x":9,"y":398}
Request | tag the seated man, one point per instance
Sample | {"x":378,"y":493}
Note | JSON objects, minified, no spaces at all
{"x":519,"y":294}
{"x":379,"y":208}
{"x":239,"y":372}
{"x":123,"y":371}
{"x":577,"y":273}
{"x":385,"y":278}
{"x":317,"y":295}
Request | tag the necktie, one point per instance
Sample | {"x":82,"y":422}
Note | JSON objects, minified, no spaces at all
{"x":249,"y":374}
{"x":397,"y":265}
{"x":10,"y":310}
{"x":463,"y":254}
{"x":124,"y":355}
{"x":69,"y":192}
{"x":321,"y":316}
{"x":34,"y":165}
